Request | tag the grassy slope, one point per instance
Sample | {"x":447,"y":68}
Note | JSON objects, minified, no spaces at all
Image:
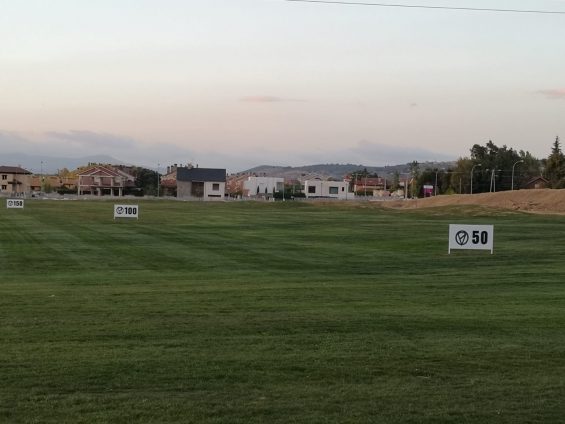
{"x":289,"y":312}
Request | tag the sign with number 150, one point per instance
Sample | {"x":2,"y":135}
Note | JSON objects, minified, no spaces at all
{"x":14,"y":204}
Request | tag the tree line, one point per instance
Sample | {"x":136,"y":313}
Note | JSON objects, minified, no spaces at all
{"x":491,"y":168}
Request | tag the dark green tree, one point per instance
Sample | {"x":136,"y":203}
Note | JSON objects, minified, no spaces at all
{"x":496,"y":167}
{"x":555,"y":166}
{"x":145,"y":180}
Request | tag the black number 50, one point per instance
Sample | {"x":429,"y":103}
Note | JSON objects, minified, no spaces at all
{"x":481,"y":237}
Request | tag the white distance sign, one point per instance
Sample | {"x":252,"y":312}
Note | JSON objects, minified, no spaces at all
{"x":474,"y":237}
{"x":126,"y":211}
{"x":14,"y":203}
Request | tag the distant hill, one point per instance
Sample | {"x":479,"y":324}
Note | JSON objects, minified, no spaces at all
{"x":336,"y":171}
{"x":52,"y":164}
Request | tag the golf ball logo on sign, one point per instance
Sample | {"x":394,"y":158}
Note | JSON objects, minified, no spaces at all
{"x":473,"y":237}
{"x":14,"y":204}
{"x":126,"y":211}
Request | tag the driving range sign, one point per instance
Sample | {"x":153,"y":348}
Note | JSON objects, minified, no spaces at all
{"x":14,"y":203}
{"x":126,"y":211}
{"x":473,"y":237}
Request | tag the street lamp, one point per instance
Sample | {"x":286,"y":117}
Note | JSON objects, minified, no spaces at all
{"x":158,"y":180}
{"x":516,"y":163}
{"x":472,"y":169}
{"x":492,"y":188}
{"x":435,"y":186}
{"x":42,"y":179}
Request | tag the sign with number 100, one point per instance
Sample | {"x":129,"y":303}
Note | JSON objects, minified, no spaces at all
{"x":474,"y":237}
{"x":126,"y":211}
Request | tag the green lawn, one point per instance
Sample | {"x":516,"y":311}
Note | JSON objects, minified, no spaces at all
{"x":286,"y":312}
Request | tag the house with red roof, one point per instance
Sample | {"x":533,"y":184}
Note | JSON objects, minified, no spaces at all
{"x":104,"y":180}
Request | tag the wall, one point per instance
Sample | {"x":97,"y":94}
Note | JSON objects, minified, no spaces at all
{"x":271,"y":184}
{"x":317,"y":188}
{"x":184,"y":191}
{"x":24,"y":185}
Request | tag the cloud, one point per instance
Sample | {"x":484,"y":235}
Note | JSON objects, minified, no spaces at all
{"x":268,"y":99}
{"x":93,"y":139}
{"x":366,"y":153}
{"x":10,"y":140}
{"x":554,"y":93}
{"x":80,"y":144}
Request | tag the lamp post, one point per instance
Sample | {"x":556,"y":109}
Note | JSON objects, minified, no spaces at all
{"x":42,"y":179}
{"x":435,"y":186}
{"x":158,"y":179}
{"x":472,"y":169}
{"x":493,"y":179}
{"x":516,"y":163}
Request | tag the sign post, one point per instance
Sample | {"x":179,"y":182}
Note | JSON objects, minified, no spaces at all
{"x":14,"y":204}
{"x":126,"y":211}
{"x":473,"y":237}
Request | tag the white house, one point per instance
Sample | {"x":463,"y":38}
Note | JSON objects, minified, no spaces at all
{"x":262,"y":186}
{"x":328,"y":189}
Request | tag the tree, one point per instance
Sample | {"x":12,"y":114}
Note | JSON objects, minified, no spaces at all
{"x":415,"y":174}
{"x":496,"y":167}
{"x":146,"y":180}
{"x":555,"y":166}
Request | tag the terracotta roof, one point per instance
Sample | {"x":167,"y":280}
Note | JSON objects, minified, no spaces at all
{"x":100,"y":169}
{"x":168,"y":183}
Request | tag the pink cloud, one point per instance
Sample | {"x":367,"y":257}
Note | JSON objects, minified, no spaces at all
{"x":554,"y":93}
{"x":267,"y":99}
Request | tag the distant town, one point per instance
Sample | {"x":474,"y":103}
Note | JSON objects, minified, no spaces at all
{"x":490,"y":168}
{"x":191,"y":182}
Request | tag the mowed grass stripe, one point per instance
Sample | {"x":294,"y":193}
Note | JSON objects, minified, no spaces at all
{"x":249,"y":312}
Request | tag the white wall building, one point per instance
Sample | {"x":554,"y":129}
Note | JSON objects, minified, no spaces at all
{"x":262,"y":186}
{"x":331,"y":189}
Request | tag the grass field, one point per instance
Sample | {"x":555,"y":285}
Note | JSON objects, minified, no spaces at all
{"x":286,"y":312}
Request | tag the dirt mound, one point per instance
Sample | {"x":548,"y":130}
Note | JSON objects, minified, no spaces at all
{"x":537,"y":201}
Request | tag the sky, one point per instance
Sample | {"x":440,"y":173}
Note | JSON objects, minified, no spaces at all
{"x":241,"y":83}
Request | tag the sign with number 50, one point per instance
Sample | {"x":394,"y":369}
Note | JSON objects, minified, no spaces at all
{"x":474,"y":237}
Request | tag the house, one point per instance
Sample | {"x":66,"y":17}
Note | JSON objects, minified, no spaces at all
{"x":369,"y":184}
{"x":14,"y":181}
{"x":201,"y":183}
{"x":101,"y":180}
{"x":168,"y":181}
{"x":262,"y":186}
{"x":48,"y":183}
{"x":537,"y":183}
{"x":326,"y":189}
{"x":234,"y":184}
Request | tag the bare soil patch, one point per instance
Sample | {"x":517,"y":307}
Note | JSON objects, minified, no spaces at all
{"x":536,"y":201}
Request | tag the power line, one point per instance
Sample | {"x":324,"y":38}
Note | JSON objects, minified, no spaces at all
{"x":420,"y":6}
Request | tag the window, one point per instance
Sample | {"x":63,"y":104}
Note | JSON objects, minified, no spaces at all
{"x":312,"y":189}
{"x":334,"y":190}
{"x":4,"y":177}
{"x":4,"y":187}
{"x":216,"y":187}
